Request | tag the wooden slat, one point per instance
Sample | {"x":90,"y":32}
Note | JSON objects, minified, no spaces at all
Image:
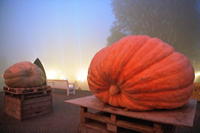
{"x":12,"y":100}
{"x":36,"y":105}
{"x":113,"y":118}
{"x":13,"y":113}
{"x":37,"y":100}
{"x":26,"y":90}
{"x":42,"y":94}
{"x":134,"y":126}
{"x":96,"y":126}
{"x":98,"y":117}
{"x":36,"y":110}
{"x":36,"y":114}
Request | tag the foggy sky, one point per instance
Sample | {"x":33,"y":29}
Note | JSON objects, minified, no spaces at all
{"x":64,"y":34}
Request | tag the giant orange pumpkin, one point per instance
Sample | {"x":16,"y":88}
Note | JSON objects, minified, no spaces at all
{"x":23,"y":75}
{"x":141,"y":73}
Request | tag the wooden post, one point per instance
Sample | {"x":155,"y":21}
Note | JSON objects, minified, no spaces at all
{"x":83,"y":110}
{"x":158,"y":128}
{"x":112,"y":127}
{"x":82,"y":114}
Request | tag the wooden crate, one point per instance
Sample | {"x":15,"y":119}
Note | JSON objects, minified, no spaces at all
{"x":97,"y":117}
{"x":196,"y":91}
{"x":23,"y":105}
{"x":103,"y":122}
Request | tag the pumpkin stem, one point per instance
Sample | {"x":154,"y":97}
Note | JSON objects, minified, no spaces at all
{"x":114,"y":90}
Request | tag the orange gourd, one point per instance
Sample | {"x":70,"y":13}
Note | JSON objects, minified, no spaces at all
{"x":141,"y":73}
{"x":23,"y":75}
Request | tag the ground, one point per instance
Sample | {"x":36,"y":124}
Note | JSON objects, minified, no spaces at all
{"x":63,"y":119}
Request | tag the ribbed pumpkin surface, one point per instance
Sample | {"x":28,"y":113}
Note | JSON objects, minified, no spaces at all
{"x":141,"y":73}
{"x":23,"y":75}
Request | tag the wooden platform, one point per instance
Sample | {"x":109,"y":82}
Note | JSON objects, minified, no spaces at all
{"x":32,"y":102}
{"x":178,"y":117}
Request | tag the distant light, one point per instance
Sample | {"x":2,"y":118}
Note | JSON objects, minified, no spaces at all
{"x":197,"y":75}
{"x":63,"y":77}
{"x":82,"y":75}
{"x":55,"y":74}
{"x":52,"y":74}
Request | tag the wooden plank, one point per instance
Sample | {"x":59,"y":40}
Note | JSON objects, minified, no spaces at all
{"x":12,"y":100}
{"x":99,"y":127}
{"x":35,"y":95}
{"x":36,"y":114}
{"x":95,"y":126}
{"x":182,"y":116}
{"x":134,"y":126}
{"x":98,"y":117}
{"x":37,"y":100}
{"x":26,"y":90}
{"x":13,"y":113}
{"x":36,"y":105}
{"x":36,"y":110}
{"x":112,"y":128}
{"x":113,"y":118}
{"x":11,"y":103}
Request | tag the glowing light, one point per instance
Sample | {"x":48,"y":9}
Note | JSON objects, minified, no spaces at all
{"x":62,"y":77}
{"x":81,"y":75}
{"x":52,"y":74}
{"x":55,"y":74}
{"x":197,"y":75}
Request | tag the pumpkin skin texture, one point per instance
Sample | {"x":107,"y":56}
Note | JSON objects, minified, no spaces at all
{"x":24,"y":75}
{"x":141,"y":73}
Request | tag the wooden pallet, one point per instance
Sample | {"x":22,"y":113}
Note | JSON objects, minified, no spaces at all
{"x":27,"y":90}
{"x":196,"y":91}
{"x":102,"y":122}
{"x":96,"y":117}
{"x":27,"y":105}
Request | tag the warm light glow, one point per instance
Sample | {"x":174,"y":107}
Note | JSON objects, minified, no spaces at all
{"x":82,"y":75}
{"x":62,"y":77}
{"x":55,"y":74}
{"x":197,"y":75}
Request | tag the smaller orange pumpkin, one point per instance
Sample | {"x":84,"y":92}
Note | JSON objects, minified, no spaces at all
{"x":24,"y":75}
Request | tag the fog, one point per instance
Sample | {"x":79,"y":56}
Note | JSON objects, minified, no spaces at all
{"x":175,"y":22}
{"x":65,"y":34}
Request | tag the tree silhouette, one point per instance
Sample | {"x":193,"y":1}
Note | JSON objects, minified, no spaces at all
{"x":174,"y":21}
